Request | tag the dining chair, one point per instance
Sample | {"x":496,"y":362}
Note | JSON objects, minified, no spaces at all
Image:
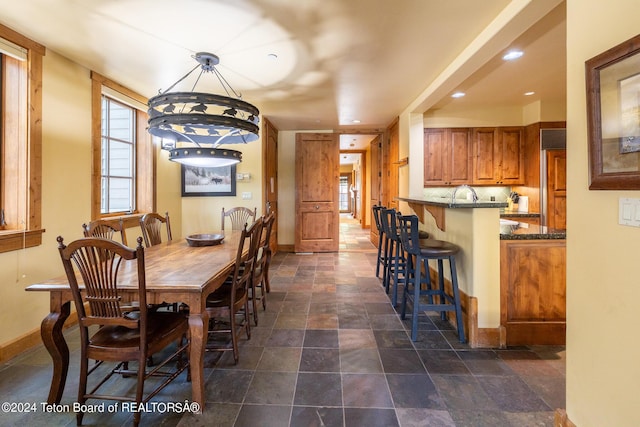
{"x":151,"y":225}
{"x":231,"y":300}
{"x":122,"y":336}
{"x":108,"y":229}
{"x":260,"y":280}
{"x":267,"y":226}
{"x":239,"y":216}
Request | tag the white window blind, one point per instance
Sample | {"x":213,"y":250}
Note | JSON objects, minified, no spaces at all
{"x":13,"y":50}
{"x":114,"y":94}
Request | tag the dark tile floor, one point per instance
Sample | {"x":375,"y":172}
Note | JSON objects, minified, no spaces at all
{"x":330,"y":350}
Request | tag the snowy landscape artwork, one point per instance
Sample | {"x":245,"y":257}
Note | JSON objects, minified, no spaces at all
{"x":200,"y":181}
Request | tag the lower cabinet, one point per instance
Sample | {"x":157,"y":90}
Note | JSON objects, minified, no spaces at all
{"x":533,"y":291}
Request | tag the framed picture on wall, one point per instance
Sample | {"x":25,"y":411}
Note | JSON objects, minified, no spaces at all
{"x":207,"y":182}
{"x":613,"y":117}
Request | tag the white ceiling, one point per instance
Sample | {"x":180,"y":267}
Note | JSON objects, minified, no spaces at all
{"x":337,"y":60}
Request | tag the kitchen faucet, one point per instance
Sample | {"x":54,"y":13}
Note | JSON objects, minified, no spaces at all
{"x":474,"y":196}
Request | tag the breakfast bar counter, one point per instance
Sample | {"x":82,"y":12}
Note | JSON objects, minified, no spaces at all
{"x":437,"y":205}
{"x":475,"y":228}
{"x":491,"y":247}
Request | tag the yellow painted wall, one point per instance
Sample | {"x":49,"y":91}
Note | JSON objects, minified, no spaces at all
{"x":286,"y":187}
{"x":66,"y":195}
{"x":509,"y":116}
{"x":603,"y":288}
{"x":204,"y":214}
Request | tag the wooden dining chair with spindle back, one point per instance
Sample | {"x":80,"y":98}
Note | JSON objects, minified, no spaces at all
{"x":260,"y":281}
{"x":106,"y":228}
{"x":151,"y":225}
{"x":232,"y":298}
{"x":239,"y":216}
{"x":122,"y":336}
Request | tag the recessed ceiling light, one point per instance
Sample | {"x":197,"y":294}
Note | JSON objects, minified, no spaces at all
{"x":458,"y":95}
{"x":529,"y":93}
{"x":272,"y":56}
{"x":511,"y":55}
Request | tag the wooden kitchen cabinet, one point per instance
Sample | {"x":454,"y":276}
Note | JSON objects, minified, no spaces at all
{"x":533,"y":291}
{"x":447,"y":155}
{"x":498,"y":156}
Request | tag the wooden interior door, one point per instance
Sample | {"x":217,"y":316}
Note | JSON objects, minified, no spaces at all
{"x":317,"y":178}
{"x":270,"y":178}
{"x":393,"y":165}
{"x":557,"y":189}
{"x":376,"y":177}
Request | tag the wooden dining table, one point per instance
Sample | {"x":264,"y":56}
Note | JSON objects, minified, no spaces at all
{"x":175,"y":272}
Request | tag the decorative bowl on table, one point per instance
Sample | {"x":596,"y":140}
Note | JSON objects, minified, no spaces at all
{"x":204,"y":239}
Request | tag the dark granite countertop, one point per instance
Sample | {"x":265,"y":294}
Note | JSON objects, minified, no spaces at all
{"x":524,"y":231}
{"x":445,"y":202}
{"x":518,"y":214}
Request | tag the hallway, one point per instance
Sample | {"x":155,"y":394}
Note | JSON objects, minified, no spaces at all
{"x":352,"y":237}
{"x":330,"y":350}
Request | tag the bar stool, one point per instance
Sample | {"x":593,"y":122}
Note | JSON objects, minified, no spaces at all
{"x":423,"y":251}
{"x":395,"y":270}
{"x":382,"y":240}
{"x":396,"y":255}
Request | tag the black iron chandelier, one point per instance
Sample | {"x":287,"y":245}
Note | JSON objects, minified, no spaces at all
{"x":193,"y":125}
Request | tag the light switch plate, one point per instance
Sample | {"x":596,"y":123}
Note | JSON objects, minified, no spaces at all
{"x":246,"y":195}
{"x":629,"y":212}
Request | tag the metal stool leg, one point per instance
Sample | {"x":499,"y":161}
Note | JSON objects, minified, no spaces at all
{"x":442,"y":297}
{"x":456,"y":297}
{"x":379,"y":253}
{"x":400,"y":262}
{"x":416,"y":297}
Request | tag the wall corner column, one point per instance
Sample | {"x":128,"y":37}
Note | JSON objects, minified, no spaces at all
{"x":412,"y":128}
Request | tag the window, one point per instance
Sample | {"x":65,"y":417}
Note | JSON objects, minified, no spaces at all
{"x":20,"y":141}
{"x":345,"y":205}
{"x":123,"y":154}
{"x":117,"y":154}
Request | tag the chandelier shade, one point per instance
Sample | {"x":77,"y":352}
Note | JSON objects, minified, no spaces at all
{"x":202,"y":118}
{"x":205,"y":157}
{"x":192,"y":125}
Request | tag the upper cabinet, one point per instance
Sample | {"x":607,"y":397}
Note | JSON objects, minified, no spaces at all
{"x":498,"y":156}
{"x":447,"y":157}
{"x":478,"y":156}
